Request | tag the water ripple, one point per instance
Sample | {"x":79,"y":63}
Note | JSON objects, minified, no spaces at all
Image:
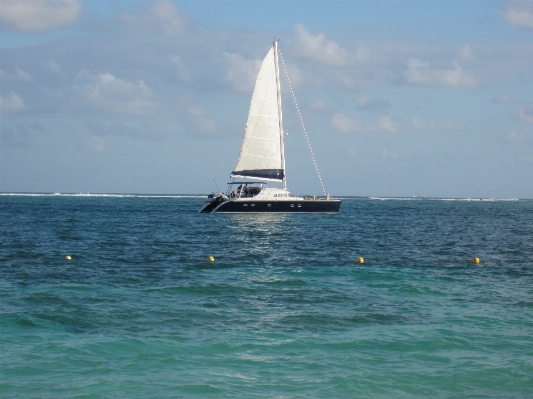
{"x":284,"y":311}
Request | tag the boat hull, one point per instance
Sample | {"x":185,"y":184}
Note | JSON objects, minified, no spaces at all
{"x":297,"y":206}
{"x":210,"y":206}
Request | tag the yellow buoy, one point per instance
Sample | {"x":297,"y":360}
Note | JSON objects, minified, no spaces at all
{"x":210,"y":259}
{"x":68,"y":257}
{"x":360,"y":260}
{"x":475,"y":260}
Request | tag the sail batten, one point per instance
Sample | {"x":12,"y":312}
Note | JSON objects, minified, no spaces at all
{"x":261,"y":153}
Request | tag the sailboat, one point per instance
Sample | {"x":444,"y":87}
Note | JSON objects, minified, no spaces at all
{"x":262,"y":158}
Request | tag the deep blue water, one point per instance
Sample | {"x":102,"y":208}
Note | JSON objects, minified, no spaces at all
{"x":283,"y":312}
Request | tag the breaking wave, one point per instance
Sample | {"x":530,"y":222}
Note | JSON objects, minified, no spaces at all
{"x":102,"y":195}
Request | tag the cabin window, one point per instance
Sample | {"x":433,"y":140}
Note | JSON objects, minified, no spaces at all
{"x":299,"y":205}
{"x":252,"y":205}
{"x":245,"y":204}
{"x":292,"y":205}
{"x":269,"y":205}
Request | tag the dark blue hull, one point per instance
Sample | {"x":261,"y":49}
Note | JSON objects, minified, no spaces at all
{"x":297,"y":206}
{"x":210,"y":206}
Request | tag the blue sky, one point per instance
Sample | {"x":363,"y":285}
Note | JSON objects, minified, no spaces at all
{"x":399,"y":98}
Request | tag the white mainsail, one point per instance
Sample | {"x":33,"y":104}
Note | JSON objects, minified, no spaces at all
{"x":261,"y":153}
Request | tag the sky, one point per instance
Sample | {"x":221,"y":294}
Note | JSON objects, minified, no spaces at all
{"x":398,"y":98}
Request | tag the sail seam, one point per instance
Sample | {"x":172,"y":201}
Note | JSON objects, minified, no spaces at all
{"x":258,"y":147}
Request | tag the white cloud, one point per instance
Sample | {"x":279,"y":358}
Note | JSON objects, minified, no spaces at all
{"x":362,"y":55}
{"x":515,"y":138}
{"x":366,"y":104}
{"x":95,"y":144}
{"x":418,"y":124}
{"x":318,"y":104}
{"x":241,"y":73}
{"x":387,"y":124}
{"x":519,"y":14}
{"x":106,"y":92}
{"x":318,"y":48}
{"x":146,"y":129}
{"x":53,"y":66}
{"x":11,"y":103}
{"x":351,"y":153}
{"x":508,"y":98}
{"x":182,"y":70}
{"x":466,"y":53}
{"x":388,"y":154}
{"x":18,"y":75}
{"x":161,"y":14}
{"x":345,"y":124}
{"x":419,"y":73}
{"x":525,"y":113}
{"x":40,"y":15}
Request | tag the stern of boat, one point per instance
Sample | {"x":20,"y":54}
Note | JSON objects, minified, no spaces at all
{"x":212,"y":201}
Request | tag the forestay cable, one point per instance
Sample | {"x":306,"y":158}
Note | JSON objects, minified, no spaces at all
{"x":302,"y":124}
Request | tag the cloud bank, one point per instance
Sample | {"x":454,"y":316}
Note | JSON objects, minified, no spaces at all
{"x":11,"y":103}
{"x":39,"y":16}
{"x":318,"y":48}
{"x":163,"y":14}
{"x":520,"y":14}
{"x":108,"y":93}
{"x":421,"y":73}
{"x":387,"y":124}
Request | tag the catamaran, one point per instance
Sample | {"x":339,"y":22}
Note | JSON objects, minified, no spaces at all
{"x":262,"y":157}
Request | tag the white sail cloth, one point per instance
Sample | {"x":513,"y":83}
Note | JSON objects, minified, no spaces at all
{"x":261,"y":149}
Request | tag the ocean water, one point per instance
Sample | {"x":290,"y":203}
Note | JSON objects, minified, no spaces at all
{"x":284,"y":311}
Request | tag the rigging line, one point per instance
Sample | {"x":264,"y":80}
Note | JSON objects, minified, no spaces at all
{"x":302,"y":123}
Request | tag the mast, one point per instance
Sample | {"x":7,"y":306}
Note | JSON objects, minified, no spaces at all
{"x":282,"y":147}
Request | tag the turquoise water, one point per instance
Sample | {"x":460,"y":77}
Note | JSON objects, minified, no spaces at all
{"x":283,"y":312}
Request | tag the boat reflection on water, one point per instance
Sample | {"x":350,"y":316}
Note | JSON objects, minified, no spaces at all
{"x":258,"y":221}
